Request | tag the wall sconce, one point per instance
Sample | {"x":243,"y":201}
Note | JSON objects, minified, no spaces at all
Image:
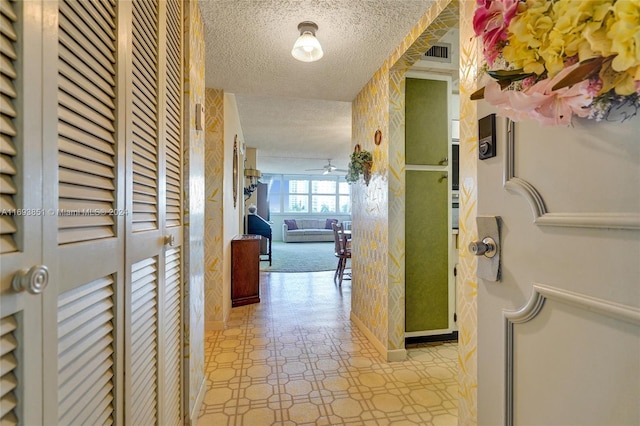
{"x":253,"y":175}
{"x":307,"y":47}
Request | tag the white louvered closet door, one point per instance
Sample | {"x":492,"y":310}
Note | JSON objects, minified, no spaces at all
{"x":20,"y":215}
{"x":89,"y":230}
{"x":154,"y":254}
{"x":90,"y":159}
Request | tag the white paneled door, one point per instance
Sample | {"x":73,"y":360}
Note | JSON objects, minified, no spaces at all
{"x":91,"y":170}
{"x":559,"y":333}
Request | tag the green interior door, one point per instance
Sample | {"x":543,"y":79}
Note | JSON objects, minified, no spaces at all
{"x":426,"y":121}
{"x":426,"y":218}
{"x":426,"y":258}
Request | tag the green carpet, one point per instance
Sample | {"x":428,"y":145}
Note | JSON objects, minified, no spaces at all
{"x":301,"y":257}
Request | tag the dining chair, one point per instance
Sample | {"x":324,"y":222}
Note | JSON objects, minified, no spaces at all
{"x":342,"y":252}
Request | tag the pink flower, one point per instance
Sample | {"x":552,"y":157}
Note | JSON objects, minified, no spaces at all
{"x":540,"y":102}
{"x":491,"y":19}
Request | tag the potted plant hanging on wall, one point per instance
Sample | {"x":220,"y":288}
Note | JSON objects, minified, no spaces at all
{"x":361,"y":162}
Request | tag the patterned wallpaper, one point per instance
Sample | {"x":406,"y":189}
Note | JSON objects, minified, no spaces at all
{"x":194,"y":155}
{"x":467,"y":282}
{"x":214,"y":241}
{"x":378,"y":210}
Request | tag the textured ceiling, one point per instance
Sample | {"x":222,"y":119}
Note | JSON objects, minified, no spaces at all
{"x":248,"y":53}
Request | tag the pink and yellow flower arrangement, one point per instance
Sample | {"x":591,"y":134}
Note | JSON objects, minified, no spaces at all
{"x":552,"y":59}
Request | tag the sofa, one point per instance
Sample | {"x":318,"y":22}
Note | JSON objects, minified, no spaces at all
{"x":307,"y":230}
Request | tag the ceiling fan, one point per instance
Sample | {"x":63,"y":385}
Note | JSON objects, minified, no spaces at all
{"x":327,"y":168}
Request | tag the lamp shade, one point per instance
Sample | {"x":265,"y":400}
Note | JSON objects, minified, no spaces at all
{"x":307,"y":47}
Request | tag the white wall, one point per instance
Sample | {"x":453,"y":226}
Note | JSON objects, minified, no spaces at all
{"x":232,"y":215}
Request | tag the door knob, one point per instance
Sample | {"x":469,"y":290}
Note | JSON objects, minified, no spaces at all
{"x":488,"y":250}
{"x":33,"y":280}
{"x":486,"y":247}
{"x":169,"y":240}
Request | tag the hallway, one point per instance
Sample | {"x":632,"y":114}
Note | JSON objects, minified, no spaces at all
{"x":296,"y":359}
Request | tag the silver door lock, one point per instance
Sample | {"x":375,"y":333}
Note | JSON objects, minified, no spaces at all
{"x":488,"y":250}
{"x":487,"y":247}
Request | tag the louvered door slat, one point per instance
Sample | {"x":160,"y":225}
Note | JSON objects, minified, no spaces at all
{"x":8,"y":112}
{"x":6,"y":106}
{"x":76,"y":192}
{"x":92,"y":37}
{"x":6,"y":145}
{"x":76,"y":119}
{"x":71,"y":176}
{"x":173,"y":343}
{"x":102,"y":113}
{"x":82,"y":380}
{"x":106,"y":9}
{"x":7,"y":166}
{"x":6,"y":127}
{"x":101,"y":22}
{"x":146,"y":13}
{"x":103,"y":119}
{"x":8,"y":366}
{"x":6,"y":87}
{"x":101,"y":414}
{"x":6,"y":9}
{"x":69,"y":37}
{"x":145,"y":115}
{"x":86,"y":99}
{"x":144,"y":327}
{"x":88,"y":80}
{"x":87,"y":205}
{"x":86,"y":352}
{"x":77,"y":235}
{"x":104,"y":157}
{"x":144,"y":102}
{"x":145,"y":64}
{"x":6,"y":202}
{"x":173,"y":107}
{"x":146,"y":150}
{"x":8,"y":32}
{"x":7,"y":67}
{"x":7,"y":225}
{"x":74,"y":135}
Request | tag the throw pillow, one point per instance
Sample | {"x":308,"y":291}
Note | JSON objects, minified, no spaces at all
{"x":291,"y":224}
{"x":329,"y":223}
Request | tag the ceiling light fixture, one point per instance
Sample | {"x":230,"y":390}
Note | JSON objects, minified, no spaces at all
{"x":307,"y":47}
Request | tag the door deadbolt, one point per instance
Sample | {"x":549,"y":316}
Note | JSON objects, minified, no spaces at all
{"x":487,"y":247}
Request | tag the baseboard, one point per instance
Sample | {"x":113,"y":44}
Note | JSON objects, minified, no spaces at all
{"x":389,"y":355}
{"x":197,"y":406}
{"x":432,"y":338}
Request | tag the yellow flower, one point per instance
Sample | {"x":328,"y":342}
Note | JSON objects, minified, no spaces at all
{"x":624,"y":32}
{"x":572,"y":18}
{"x":528,"y":33}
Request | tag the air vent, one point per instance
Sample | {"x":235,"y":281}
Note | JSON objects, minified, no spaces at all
{"x":440,"y":52}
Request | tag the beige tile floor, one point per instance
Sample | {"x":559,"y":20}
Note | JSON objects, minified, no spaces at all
{"x":296,"y":359}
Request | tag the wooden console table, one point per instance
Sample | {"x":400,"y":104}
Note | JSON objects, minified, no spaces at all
{"x":245,"y":270}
